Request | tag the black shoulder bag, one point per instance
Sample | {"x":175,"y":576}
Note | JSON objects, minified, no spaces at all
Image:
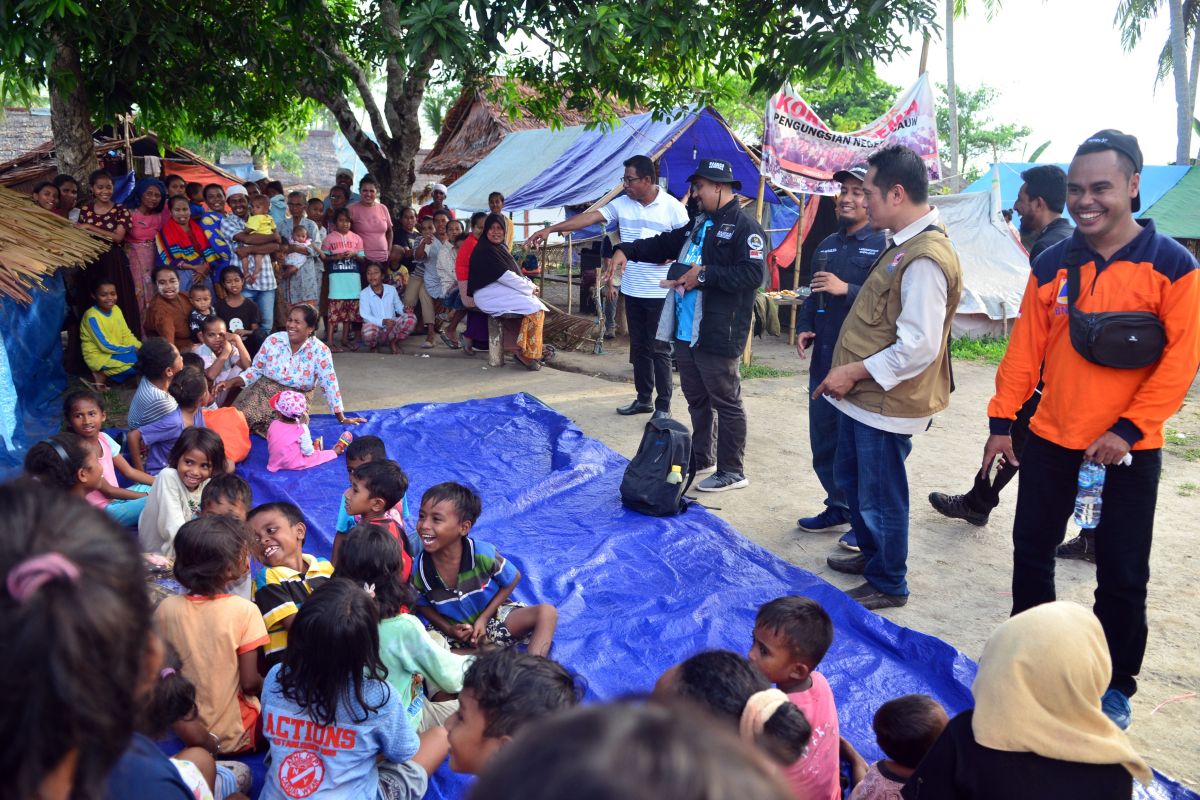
{"x":1119,"y":339}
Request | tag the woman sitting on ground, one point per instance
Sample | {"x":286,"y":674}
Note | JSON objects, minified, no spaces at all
{"x":497,"y":286}
{"x":293,"y":359}
{"x":1037,"y":729}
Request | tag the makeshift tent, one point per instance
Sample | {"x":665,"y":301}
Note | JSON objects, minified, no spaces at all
{"x":1156,"y":181}
{"x":994,"y":265}
{"x":517,"y":160}
{"x":476,"y":124}
{"x":1175,"y":212}
{"x":592,"y":166}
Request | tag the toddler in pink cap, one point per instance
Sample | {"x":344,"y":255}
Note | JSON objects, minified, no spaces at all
{"x":289,"y":443}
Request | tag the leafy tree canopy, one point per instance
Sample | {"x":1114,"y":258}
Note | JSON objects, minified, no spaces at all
{"x":980,"y":138}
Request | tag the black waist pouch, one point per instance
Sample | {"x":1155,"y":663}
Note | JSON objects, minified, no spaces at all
{"x":1119,"y":339}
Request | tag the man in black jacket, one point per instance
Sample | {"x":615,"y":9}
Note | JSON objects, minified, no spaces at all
{"x":711,"y":306}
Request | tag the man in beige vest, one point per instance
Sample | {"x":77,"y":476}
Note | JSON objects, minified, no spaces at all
{"x":891,"y":370}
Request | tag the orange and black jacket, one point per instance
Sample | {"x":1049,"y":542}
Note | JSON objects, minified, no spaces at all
{"x":1082,"y":400}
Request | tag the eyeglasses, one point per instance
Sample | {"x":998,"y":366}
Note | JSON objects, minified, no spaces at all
{"x":625,"y":179}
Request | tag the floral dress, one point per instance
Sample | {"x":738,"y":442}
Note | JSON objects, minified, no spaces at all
{"x":139,"y":246}
{"x":277,"y":368}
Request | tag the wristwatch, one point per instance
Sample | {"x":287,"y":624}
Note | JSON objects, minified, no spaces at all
{"x":700,"y":275}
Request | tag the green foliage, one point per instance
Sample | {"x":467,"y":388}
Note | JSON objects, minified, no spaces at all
{"x":986,"y":348}
{"x":757,"y":370}
{"x":979,"y":137}
{"x":846,"y":103}
{"x":437,"y":102}
{"x":1133,"y":16}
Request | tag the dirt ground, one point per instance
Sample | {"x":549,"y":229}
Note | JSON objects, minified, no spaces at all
{"x":959,"y":574}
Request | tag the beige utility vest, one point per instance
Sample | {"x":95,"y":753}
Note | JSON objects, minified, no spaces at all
{"x":870,"y":327}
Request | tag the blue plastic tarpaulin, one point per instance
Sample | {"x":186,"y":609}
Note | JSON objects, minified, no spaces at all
{"x":592,"y":166}
{"x":635,"y":594}
{"x":34,"y":378}
{"x":519,"y":158}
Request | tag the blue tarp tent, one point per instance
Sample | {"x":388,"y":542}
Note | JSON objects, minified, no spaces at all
{"x":591,"y":167}
{"x":519,"y":158}
{"x":1156,"y":181}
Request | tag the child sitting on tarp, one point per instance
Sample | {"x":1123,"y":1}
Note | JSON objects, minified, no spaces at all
{"x":110,"y":349}
{"x":465,"y":584}
{"x":905,"y":729}
{"x":289,"y":443}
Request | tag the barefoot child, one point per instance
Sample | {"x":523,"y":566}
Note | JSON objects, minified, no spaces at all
{"x":328,"y":710}
{"x":465,"y":584}
{"x":362,"y":450}
{"x":217,"y":635}
{"x":371,"y":557}
{"x":83,"y":411}
{"x":175,"y":497}
{"x":385,"y":320}
{"x":224,"y":355}
{"x":289,"y":443}
{"x":341,"y":251}
{"x":791,"y":636}
{"x":291,"y":575}
{"x":110,"y":349}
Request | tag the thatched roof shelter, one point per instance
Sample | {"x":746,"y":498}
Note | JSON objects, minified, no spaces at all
{"x":475,"y":124}
{"x":35,"y":242}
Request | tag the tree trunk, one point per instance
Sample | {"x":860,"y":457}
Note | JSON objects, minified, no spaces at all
{"x":1192,"y":74}
{"x":952,"y":101}
{"x":70,"y":122}
{"x":258,"y":160}
{"x":1183,"y":94}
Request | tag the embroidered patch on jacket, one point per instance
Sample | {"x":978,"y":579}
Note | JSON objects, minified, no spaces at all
{"x":754,"y":242}
{"x":896,"y":261}
{"x":725,"y":232}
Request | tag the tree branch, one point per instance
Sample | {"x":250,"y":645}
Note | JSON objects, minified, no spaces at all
{"x":369,"y":151}
{"x":335,"y":54}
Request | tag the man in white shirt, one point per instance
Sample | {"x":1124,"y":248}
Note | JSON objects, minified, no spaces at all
{"x":643,"y":211}
{"x":891,"y":370}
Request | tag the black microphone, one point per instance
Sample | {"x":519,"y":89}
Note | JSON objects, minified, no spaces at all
{"x":820,"y":263}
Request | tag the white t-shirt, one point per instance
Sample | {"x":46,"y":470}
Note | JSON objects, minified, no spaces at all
{"x":636,"y":221}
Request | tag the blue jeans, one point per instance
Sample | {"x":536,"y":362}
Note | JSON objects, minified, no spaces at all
{"x":126,"y":512}
{"x":823,"y":425}
{"x":870,"y":470}
{"x":265,"y":300}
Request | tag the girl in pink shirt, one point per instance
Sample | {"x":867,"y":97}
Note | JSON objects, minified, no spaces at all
{"x":289,"y":443}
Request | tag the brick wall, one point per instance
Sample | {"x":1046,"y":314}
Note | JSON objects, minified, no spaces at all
{"x":320,"y":163}
{"x":21,"y":131}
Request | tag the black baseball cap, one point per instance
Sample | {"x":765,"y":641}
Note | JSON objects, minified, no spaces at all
{"x":857,"y":171}
{"x":1123,"y":143}
{"x":717,"y":170}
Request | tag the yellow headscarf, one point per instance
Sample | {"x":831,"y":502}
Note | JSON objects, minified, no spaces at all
{"x":1038,"y":690}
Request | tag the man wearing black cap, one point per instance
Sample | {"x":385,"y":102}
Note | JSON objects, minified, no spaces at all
{"x":1109,"y":385}
{"x":1040,"y":203}
{"x":712,"y":305}
{"x":839,"y":267}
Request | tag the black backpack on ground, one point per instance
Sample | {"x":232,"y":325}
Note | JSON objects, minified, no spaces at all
{"x":647,"y":487}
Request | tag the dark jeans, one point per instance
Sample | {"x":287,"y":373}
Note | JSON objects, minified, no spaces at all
{"x":870,"y":470}
{"x":651,"y":368}
{"x":823,"y":419}
{"x":985,"y":495}
{"x":713,"y":387}
{"x":1046,"y":500}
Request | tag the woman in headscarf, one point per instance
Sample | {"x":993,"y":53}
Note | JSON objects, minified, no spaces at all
{"x":1037,"y":731}
{"x":146,"y":221}
{"x":210,"y":222}
{"x":497,"y":286}
{"x":182,"y":244}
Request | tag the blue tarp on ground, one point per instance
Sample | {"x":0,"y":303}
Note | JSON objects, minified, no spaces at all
{"x":635,"y":594}
{"x":31,"y":372}
{"x":592,"y":166}
{"x":1156,"y":181}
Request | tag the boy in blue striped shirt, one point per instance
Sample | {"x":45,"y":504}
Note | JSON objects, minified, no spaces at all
{"x":465,"y":584}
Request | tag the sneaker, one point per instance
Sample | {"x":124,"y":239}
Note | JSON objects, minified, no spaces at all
{"x":849,"y":541}
{"x":1115,"y":706}
{"x":1082,"y":548}
{"x":722,"y":482}
{"x":831,"y":519}
{"x":702,"y":471}
{"x":955,"y":506}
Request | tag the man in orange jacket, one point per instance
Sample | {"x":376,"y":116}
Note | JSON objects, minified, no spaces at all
{"x":1096,"y":412}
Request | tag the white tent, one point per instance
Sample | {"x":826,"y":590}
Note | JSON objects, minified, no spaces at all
{"x":995,"y":266}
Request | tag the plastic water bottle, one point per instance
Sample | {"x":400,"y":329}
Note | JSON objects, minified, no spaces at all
{"x":1088,"y":498}
{"x":676,"y":474}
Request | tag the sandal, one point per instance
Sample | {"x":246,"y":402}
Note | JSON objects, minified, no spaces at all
{"x":446,"y":340}
{"x":426,"y":345}
{"x":531,"y":364}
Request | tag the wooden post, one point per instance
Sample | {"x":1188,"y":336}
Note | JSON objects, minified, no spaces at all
{"x":495,"y":342}
{"x":758,"y":208}
{"x":796,"y":268}
{"x":568,"y":259}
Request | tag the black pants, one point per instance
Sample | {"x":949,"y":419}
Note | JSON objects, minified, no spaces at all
{"x":1046,"y":500}
{"x":713,"y":387}
{"x":985,"y":495}
{"x":651,"y":368}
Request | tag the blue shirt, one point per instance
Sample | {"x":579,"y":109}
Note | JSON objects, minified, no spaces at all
{"x":145,"y":773}
{"x":482,"y":573}
{"x":337,"y":761}
{"x":685,"y":304}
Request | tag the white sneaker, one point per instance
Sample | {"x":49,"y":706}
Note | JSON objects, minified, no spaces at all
{"x":722,"y":482}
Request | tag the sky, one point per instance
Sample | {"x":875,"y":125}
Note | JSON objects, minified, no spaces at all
{"x":1060,"y":70}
